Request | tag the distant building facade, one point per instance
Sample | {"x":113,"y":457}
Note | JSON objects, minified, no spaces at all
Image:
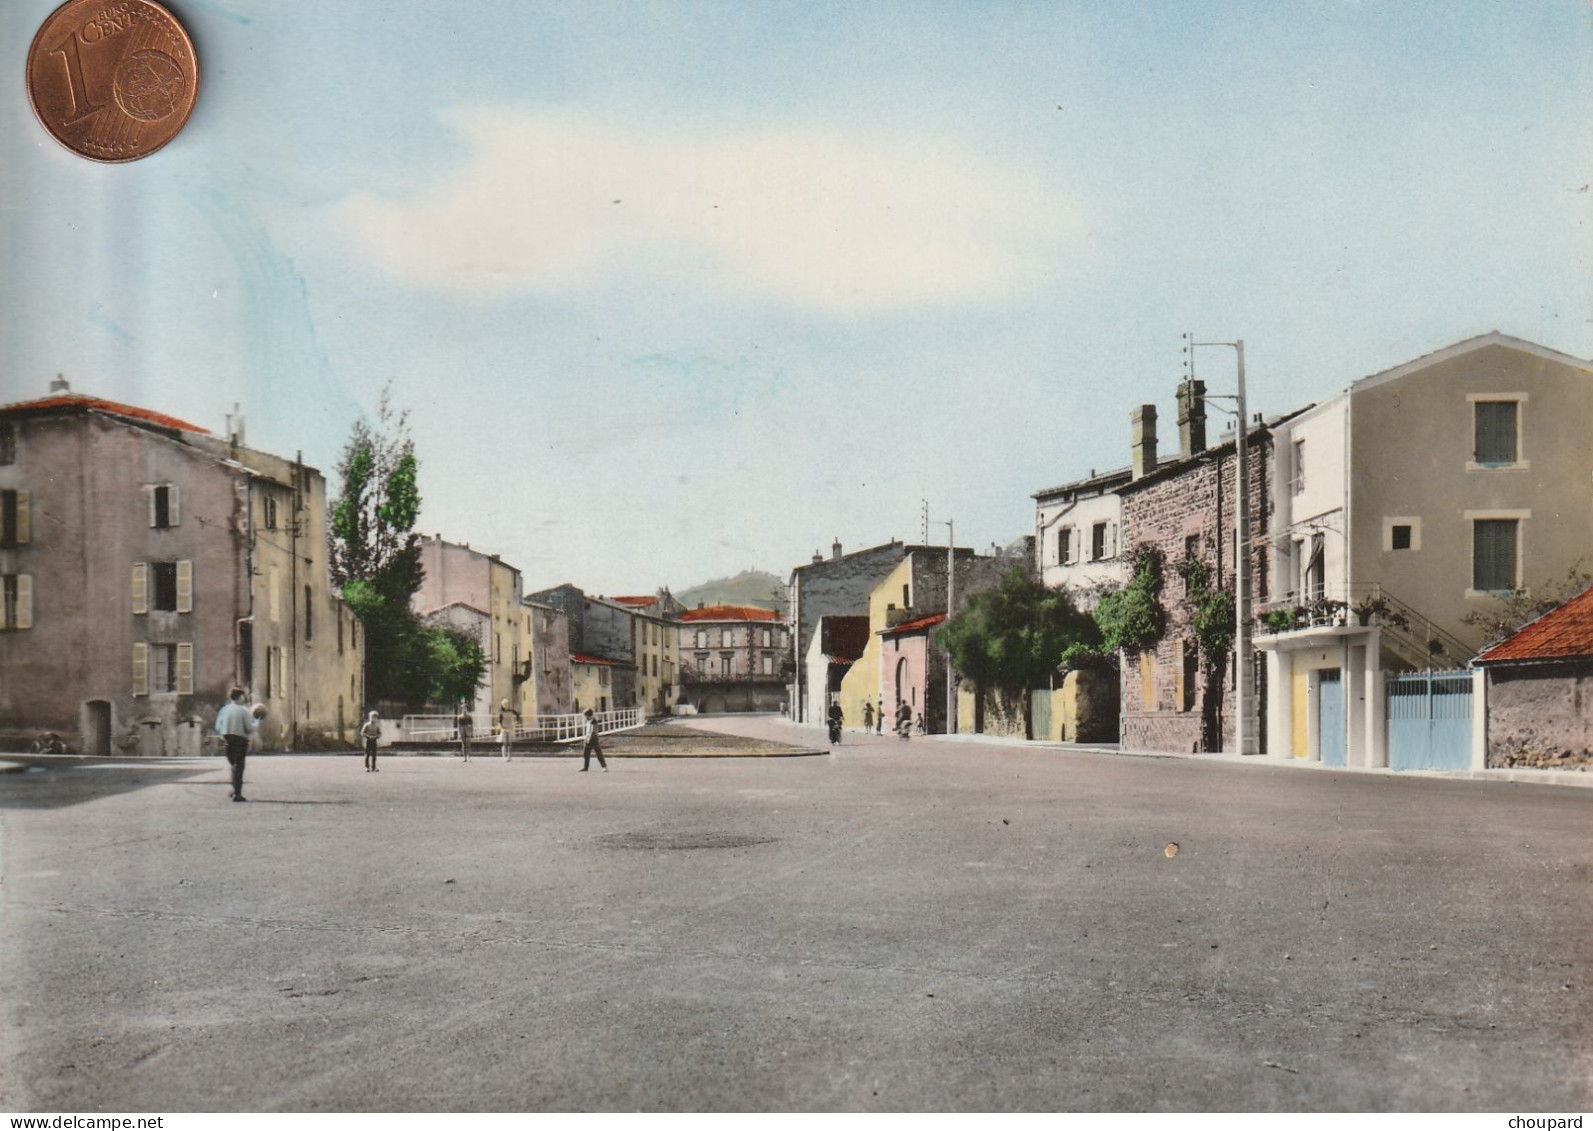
{"x":733,"y":658}
{"x":480,"y":593}
{"x":146,"y":567}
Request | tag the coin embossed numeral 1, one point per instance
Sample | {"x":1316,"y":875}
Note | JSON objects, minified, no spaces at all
{"x":81,"y":108}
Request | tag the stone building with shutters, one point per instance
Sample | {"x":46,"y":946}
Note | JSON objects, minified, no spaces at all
{"x":148,"y":567}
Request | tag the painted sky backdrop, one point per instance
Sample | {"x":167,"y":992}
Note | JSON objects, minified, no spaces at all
{"x":677,"y":289}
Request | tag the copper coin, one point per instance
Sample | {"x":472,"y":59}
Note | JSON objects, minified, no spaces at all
{"x":113,"y":80}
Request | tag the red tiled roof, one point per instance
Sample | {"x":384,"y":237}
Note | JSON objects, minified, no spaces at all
{"x":78,"y":400}
{"x":583,"y":658}
{"x":1559,"y":634}
{"x":729,"y":612}
{"x":917,"y":624}
{"x":640,"y":602}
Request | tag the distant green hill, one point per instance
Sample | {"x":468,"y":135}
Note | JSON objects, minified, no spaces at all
{"x":749,"y":587}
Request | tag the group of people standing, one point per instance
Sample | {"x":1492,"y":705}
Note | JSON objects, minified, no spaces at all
{"x":236,"y":725}
{"x":874,"y":719}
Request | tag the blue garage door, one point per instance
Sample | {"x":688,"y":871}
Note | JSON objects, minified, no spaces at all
{"x":1429,"y":721}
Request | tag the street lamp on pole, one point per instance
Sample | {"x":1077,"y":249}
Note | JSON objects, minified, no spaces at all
{"x":951,"y":593}
{"x":1244,"y":741}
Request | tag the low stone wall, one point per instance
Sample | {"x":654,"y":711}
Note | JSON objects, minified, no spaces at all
{"x":1540,"y":715}
{"x":1161,"y":730}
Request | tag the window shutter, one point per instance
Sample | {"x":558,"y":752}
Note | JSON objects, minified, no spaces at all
{"x":1494,"y":555}
{"x":185,"y":587}
{"x":24,"y":526}
{"x":24,"y":600}
{"x":185,"y":669}
{"x":149,"y":493}
{"x":173,"y":514}
{"x":140,"y":587}
{"x":1496,"y":432}
{"x":140,"y":669}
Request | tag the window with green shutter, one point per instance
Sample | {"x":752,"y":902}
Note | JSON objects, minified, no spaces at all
{"x":1493,"y":557}
{"x":1496,"y":433}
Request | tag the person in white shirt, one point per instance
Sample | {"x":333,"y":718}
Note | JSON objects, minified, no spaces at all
{"x":235,"y":723}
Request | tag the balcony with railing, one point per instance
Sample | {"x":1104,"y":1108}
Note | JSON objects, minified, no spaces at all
{"x":1336,"y":610}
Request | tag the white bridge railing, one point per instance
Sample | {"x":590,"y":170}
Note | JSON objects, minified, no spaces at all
{"x":538,"y":728}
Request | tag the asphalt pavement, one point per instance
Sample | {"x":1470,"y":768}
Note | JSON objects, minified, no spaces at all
{"x":889,"y":926}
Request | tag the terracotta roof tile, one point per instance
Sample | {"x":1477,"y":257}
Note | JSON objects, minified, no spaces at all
{"x":1560,"y":634}
{"x":729,"y":612}
{"x":639,"y":602}
{"x":917,"y":624}
{"x":97,"y":404}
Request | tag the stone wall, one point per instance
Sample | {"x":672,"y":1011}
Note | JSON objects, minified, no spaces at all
{"x":1190,"y":499}
{"x":1541,"y":715}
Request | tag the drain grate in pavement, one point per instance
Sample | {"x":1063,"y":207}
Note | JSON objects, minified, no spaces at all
{"x":682,"y":840}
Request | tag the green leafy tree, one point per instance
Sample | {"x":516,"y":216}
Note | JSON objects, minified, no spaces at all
{"x":1013,"y":637}
{"x":457,"y":664}
{"x":375,"y":558}
{"x":1132,"y":618}
{"x":1210,"y":609}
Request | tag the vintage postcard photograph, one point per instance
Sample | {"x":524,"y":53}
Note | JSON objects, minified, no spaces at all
{"x":796,"y":556}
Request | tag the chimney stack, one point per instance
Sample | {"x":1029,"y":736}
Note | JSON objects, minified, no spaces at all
{"x":1143,"y":422}
{"x":835,"y":550}
{"x":1191,"y":418}
{"x":60,"y":385}
{"x":235,"y":425}
{"x":817,"y":557}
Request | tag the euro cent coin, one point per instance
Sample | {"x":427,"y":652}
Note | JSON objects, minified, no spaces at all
{"x":112,"y":80}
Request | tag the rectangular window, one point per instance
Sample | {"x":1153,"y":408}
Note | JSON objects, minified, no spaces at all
{"x":1297,"y":469}
{"x":655,"y":666}
{"x":726,"y":662}
{"x":1064,"y":545}
{"x":702,"y":663}
{"x":702,"y":638}
{"x":768,"y":663}
{"x":16,"y":601}
{"x":269,"y":508}
{"x":768,"y":637}
{"x":163,"y":668}
{"x":1399,"y":536}
{"x":8,"y":443}
{"x":163,"y":507}
{"x":165,"y":595}
{"x":725,"y":638}
{"x":1493,"y":555}
{"x":15,"y":525}
{"x":1098,"y":542}
{"x":1191,"y":675}
{"x":1496,"y":433}
{"x":309,"y":620}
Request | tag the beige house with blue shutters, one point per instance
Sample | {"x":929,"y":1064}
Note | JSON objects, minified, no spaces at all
{"x":1410,"y":499}
{"x":149,"y":566}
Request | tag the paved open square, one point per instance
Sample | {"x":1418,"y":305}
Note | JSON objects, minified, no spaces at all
{"x":918,"y":925}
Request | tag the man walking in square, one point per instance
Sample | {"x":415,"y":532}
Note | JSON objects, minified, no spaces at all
{"x":592,"y":744}
{"x":465,"y":725}
{"x":235,"y":723}
{"x":508,"y":719}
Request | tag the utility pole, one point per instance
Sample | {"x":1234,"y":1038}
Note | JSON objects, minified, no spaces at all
{"x":951,"y":596}
{"x":1244,"y":741}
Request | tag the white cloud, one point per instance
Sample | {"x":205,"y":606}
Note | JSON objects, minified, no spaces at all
{"x":821,"y":220}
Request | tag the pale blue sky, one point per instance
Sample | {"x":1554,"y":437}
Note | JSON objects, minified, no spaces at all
{"x":861,"y":254}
